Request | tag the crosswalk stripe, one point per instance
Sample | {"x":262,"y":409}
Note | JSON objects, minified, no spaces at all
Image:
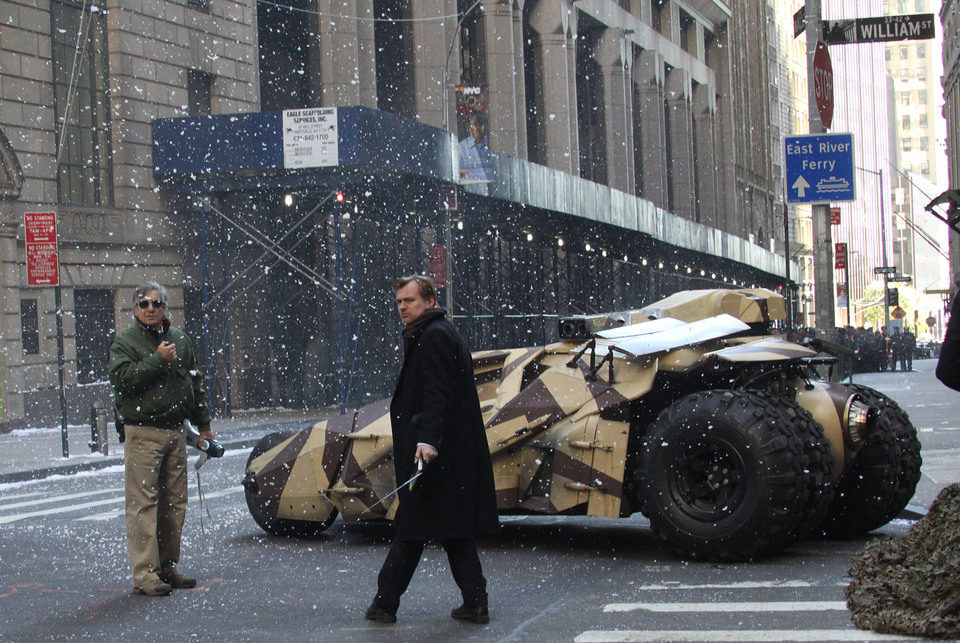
{"x":57,"y":510}
{"x":67,"y":496}
{"x":8,"y":496}
{"x":754,"y":606}
{"x":737,"y":585}
{"x":116,"y":513}
{"x":630,"y":636}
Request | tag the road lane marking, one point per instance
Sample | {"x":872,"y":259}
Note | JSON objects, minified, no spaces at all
{"x":753,"y":606}
{"x":738,"y":585}
{"x":116,"y":513}
{"x":58,"y":510}
{"x":607,"y":636}
{"x":67,"y":496}
{"x":23,"y":495}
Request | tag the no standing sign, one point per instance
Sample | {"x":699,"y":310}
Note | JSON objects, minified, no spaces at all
{"x":40,"y":234}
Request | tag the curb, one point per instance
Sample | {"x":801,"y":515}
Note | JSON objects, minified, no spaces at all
{"x":71,"y":469}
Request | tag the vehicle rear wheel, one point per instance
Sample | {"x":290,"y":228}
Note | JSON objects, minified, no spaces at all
{"x":262,"y":503}
{"x":722,"y":476}
{"x":884,"y":475}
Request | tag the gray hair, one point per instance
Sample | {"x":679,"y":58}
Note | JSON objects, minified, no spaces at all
{"x":146,"y":287}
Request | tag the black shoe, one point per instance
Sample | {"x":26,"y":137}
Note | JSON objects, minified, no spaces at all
{"x":381,"y":614}
{"x":473,"y":613}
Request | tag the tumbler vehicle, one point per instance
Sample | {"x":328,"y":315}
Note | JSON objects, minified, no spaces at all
{"x":693,"y":411}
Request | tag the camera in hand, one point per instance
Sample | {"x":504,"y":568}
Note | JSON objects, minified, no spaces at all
{"x":212,"y":448}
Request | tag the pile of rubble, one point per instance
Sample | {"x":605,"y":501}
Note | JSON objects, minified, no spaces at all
{"x":911,"y":585}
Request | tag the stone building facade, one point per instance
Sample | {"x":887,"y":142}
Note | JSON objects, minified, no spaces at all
{"x":950,"y":18}
{"x":664,"y":102}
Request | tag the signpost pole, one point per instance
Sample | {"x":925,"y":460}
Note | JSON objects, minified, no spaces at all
{"x":825,"y":318}
{"x":64,"y":444}
{"x":787,"y":290}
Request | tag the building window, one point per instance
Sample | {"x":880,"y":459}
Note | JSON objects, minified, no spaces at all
{"x":921,"y":73}
{"x":905,"y":73}
{"x":904,"y":98}
{"x":906,"y":122}
{"x":925,"y":168}
{"x":887,"y":53}
{"x":902,"y":6}
{"x":81,"y":102}
{"x":907,"y":144}
{"x":29,"y":327}
{"x":199,"y":5}
{"x":920,"y":5}
{"x":199,"y":84}
{"x":688,"y":33}
{"x":925,"y":144}
{"x":922,"y":50}
{"x":904,"y":52}
{"x":93,"y":308}
{"x":923,"y":120}
{"x":922,"y":96}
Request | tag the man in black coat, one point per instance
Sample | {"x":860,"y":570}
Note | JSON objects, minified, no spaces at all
{"x":436,"y":419}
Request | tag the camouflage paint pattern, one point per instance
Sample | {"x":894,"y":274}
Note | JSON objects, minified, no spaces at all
{"x":558,"y":430}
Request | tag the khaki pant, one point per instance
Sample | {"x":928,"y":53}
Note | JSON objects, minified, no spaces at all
{"x":156,"y":497}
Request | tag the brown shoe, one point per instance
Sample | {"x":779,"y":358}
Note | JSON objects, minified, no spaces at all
{"x":175,"y":579}
{"x":152,"y":587}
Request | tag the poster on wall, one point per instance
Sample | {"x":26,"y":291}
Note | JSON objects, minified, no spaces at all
{"x":310,"y":138}
{"x":476,"y":166}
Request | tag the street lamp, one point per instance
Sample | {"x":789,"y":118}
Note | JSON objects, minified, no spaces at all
{"x":883,"y":246}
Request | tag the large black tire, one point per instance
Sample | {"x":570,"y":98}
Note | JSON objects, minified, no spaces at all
{"x":883,"y":476}
{"x":817,"y":465}
{"x":261,"y":505}
{"x":722,"y":476}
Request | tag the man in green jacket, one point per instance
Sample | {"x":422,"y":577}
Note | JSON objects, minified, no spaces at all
{"x":157,"y":386}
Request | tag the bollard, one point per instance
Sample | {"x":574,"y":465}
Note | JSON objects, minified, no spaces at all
{"x":98,"y":428}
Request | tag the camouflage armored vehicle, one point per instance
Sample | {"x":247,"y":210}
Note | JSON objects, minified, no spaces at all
{"x":692,"y":411}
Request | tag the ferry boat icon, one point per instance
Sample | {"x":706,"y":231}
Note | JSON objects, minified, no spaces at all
{"x":833,"y":184}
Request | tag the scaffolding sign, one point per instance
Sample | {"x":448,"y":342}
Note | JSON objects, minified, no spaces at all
{"x":40,"y":235}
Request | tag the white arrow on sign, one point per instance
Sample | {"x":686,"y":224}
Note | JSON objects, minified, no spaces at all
{"x":800,"y":185}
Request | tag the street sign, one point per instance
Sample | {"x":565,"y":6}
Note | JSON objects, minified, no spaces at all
{"x":898,"y":313}
{"x":835,"y":215}
{"x":885,"y":270}
{"x":800,"y":20}
{"x":918,"y":26}
{"x":903,"y":279}
{"x":820,"y":168}
{"x":893,"y":296}
{"x":823,"y":84}
{"x":40,"y":235}
{"x":438,"y":265}
{"x":840,"y":256}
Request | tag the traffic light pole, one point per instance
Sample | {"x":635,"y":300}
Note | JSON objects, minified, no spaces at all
{"x":825,"y":316}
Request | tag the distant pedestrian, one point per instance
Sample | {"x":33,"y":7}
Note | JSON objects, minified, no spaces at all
{"x":435,"y":418}
{"x":157,"y":387}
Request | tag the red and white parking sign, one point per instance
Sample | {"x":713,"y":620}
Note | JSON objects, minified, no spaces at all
{"x":43,"y":264}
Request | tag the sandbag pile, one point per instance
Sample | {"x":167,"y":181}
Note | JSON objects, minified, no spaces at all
{"x":911,"y":585}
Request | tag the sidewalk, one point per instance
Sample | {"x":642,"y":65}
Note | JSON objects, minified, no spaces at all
{"x":30,"y":454}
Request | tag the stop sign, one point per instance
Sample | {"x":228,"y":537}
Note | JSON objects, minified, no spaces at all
{"x":823,"y":83}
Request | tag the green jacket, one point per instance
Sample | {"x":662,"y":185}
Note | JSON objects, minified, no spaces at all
{"x":151,"y":392}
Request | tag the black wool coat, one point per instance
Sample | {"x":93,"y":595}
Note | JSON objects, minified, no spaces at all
{"x":435,"y":401}
{"x":948,"y":366}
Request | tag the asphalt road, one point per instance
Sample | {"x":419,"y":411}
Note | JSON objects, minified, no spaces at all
{"x":64,"y":572}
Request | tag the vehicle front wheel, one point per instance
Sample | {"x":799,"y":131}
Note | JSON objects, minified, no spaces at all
{"x":721,"y":476}
{"x":263,"y":502}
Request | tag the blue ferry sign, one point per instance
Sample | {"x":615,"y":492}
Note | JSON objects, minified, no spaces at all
{"x":819,"y":168}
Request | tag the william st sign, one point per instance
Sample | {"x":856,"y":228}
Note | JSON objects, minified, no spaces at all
{"x":920,"y":26}
{"x":820,"y":168}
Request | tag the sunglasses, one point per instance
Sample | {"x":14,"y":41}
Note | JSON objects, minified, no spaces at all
{"x":157,"y":303}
